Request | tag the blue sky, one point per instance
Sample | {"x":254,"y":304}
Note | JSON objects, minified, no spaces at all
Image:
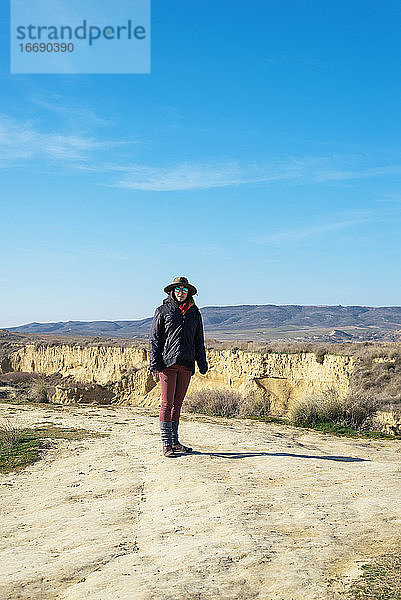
{"x":260,"y":158}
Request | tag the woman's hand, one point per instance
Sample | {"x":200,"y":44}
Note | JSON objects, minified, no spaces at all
{"x":155,"y":375}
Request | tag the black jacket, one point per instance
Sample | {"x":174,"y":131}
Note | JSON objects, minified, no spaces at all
{"x":177,"y":338}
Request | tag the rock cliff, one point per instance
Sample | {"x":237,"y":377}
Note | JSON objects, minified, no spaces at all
{"x":89,"y":364}
{"x":122,"y":373}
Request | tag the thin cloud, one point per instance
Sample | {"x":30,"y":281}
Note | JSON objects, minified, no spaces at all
{"x":213,"y":251}
{"x":390,"y":199}
{"x":77,"y":254}
{"x":24,"y":142}
{"x":76,"y":114}
{"x":387,"y":170}
{"x":107,"y":254}
{"x":192,"y":176}
{"x":21,"y":142}
{"x":187,"y":176}
{"x":292,"y":236}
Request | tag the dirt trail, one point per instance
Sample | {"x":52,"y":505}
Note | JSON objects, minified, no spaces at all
{"x":261,"y":511}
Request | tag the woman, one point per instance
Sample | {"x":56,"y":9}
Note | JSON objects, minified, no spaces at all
{"x":176,"y":342}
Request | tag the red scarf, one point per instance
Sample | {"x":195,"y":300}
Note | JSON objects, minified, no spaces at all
{"x":184,"y":306}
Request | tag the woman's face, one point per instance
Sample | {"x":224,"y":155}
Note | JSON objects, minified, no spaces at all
{"x":181,"y":293}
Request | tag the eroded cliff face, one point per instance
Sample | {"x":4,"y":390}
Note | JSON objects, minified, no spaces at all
{"x":283,"y":378}
{"x":123,"y":373}
{"x":88,"y":364}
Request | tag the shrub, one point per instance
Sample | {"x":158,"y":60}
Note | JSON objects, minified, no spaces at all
{"x":217,"y":403}
{"x":254,"y":407}
{"x":381,"y":379}
{"x":38,"y":392}
{"x":306,"y":413}
{"x":320,"y":354}
{"x":227,"y":403}
{"x":353,"y":411}
{"x":18,"y":378}
{"x":359,"y":410}
{"x":9,"y":436}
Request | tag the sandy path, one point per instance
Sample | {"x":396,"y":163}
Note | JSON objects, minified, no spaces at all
{"x":264,"y":511}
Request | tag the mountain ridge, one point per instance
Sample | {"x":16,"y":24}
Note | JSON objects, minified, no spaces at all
{"x":258,"y":321}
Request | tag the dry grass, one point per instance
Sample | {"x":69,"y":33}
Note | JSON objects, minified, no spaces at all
{"x":359,"y":350}
{"x":35,"y":387}
{"x":254,"y":407}
{"x":381,"y":379}
{"x":226,"y":403}
{"x":373,"y":382}
{"x":355,"y":411}
{"x":18,"y":378}
{"x":381,"y":580}
{"x":217,"y":403}
{"x":38,"y":392}
{"x":10,"y":435}
{"x":22,"y":446}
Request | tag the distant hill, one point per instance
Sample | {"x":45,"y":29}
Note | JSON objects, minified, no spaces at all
{"x":261,"y":322}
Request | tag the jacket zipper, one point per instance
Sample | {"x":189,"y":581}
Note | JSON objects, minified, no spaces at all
{"x":182,"y":337}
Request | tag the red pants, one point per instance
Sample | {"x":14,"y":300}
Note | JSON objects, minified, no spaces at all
{"x":174,"y":383}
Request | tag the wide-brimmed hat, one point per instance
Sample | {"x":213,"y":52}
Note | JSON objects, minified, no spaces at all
{"x":181,"y":281}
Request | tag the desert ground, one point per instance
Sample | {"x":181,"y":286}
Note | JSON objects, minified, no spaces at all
{"x":259,"y":510}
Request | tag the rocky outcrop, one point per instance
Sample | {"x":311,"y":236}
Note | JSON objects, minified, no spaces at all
{"x":95,"y":393}
{"x":388,"y":421}
{"x":89,"y":364}
{"x":279,"y":378}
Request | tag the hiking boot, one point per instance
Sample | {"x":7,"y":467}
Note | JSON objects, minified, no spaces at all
{"x":168,"y":451}
{"x":181,"y":448}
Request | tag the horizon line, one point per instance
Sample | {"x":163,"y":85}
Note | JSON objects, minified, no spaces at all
{"x":203,"y":307}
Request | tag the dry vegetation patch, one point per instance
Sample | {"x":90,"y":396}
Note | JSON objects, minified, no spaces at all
{"x":30,"y":387}
{"x":374,"y":385}
{"x":354,"y":411}
{"x":20,"y":447}
{"x":381,"y":580}
{"x":226,"y":403}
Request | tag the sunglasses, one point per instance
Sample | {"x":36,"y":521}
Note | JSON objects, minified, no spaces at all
{"x":178,"y":289}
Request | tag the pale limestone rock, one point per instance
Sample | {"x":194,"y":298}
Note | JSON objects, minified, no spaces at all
{"x":96,"y":394}
{"x":389,"y":421}
{"x":89,"y":364}
{"x":279,"y":378}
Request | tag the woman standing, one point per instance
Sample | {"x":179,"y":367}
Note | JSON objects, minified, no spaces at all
{"x":176,"y":342}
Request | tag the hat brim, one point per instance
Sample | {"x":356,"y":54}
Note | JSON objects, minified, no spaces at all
{"x":192,"y":289}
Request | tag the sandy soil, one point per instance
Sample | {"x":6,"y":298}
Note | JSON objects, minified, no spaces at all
{"x":258,"y":511}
